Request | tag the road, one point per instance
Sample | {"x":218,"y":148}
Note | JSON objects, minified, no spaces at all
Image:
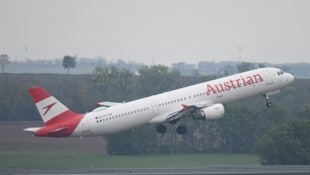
{"x":212,"y":170}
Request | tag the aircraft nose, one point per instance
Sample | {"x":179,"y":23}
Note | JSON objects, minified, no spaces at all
{"x":290,"y":78}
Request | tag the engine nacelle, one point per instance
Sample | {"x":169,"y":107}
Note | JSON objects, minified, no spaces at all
{"x":210,"y":113}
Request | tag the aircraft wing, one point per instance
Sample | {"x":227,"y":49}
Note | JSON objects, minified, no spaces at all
{"x":183,"y":111}
{"x":57,"y":130}
{"x":104,"y":105}
{"x":108,"y":103}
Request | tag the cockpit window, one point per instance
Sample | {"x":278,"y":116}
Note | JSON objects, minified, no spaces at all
{"x":280,"y":73}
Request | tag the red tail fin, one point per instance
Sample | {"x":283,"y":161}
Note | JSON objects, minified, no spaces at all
{"x":49,"y":107}
{"x":59,"y":121}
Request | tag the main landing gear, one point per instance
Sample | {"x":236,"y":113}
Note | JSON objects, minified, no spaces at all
{"x":161,"y":129}
{"x":268,"y":102}
{"x":181,"y":130}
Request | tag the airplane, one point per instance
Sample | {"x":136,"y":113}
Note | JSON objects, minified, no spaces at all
{"x":203,"y":101}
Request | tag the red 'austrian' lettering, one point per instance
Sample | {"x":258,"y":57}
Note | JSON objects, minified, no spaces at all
{"x":234,"y":84}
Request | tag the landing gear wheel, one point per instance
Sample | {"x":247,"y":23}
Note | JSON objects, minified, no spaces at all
{"x":181,"y":130}
{"x":269,"y":104}
{"x":161,"y":129}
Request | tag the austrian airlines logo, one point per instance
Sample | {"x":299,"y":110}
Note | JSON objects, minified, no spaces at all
{"x":234,"y":84}
{"x":48,"y":107}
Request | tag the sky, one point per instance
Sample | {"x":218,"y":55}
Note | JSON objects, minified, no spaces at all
{"x":157,"y":31}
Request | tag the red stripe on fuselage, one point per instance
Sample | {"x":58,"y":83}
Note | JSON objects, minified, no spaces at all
{"x":62,"y":125}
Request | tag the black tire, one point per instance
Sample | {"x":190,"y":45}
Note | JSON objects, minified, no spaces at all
{"x":161,"y":129}
{"x":181,"y":130}
{"x":269,"y":104}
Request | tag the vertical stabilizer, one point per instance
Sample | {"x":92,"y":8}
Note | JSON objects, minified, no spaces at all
{"x":48,"y":106}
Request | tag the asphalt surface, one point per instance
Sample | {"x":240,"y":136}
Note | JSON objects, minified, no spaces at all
{"x":12,"y":137}
{"x":212,"y":170}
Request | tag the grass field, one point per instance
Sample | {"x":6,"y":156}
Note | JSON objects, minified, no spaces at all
{"x":70,"y":160}
{"x":19,"y":149}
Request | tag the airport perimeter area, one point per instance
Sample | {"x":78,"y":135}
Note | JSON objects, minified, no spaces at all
{"x":19,"y":152}
{"x":212,"y":170}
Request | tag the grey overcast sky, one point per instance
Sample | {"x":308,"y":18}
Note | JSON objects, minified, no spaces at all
{"x":166,"y":31}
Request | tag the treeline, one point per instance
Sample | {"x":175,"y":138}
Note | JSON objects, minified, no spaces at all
{"x":87,"y":65}
{"x":243,"y":125}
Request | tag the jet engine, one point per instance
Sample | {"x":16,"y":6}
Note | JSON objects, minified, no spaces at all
{"x":210,"y":113}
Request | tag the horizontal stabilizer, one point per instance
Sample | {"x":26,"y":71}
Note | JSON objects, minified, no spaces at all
{"x":104,"y":105}
{"x":58,"y":130}
{"x":34,"y":129}
{"x":108,"y":103}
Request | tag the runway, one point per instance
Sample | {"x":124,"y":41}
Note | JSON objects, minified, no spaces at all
{"x":211,"y":170}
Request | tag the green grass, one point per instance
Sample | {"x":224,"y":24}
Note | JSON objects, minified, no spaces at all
{"x":78,"y":160}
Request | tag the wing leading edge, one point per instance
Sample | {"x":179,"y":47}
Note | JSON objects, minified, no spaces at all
{"x":184,"y":111}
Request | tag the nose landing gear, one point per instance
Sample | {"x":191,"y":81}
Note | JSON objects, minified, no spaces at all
{"x":268,"y":101}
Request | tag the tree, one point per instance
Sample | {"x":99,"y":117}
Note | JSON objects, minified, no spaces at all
{"x":228,"y":70}
{"x":261,"y":65}
{"x":4,"y":59}
{"x":123,"y":81}
{"x":141,"y":140}
{"x":157,"y":79}
{"x":287,"y":143}
{"x":68,"y":62}
{"x":245,"y":66}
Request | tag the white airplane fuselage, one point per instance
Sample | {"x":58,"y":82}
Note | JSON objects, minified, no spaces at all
{"x":158,"y":108}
